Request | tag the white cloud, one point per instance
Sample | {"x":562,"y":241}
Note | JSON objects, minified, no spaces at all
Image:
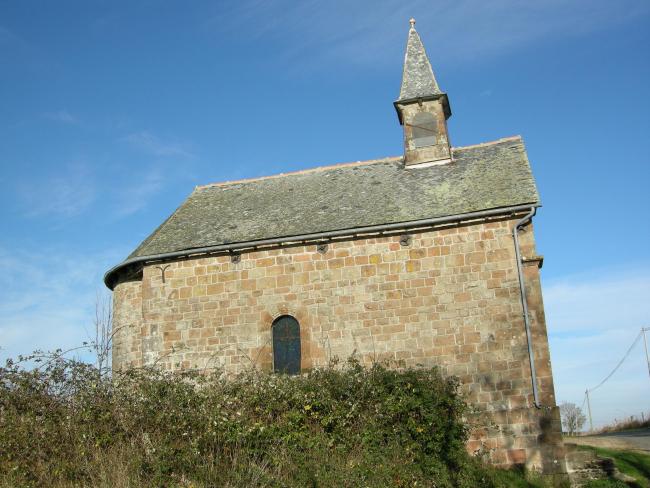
{"x":144,"y":184}
{"x":48,"y":299}
{"x":597,"y":302}
{"x":62,"y":116}
{"x":21,"y":55}
{"x":66,"y":194}
{"x":373,"y":33}
{"x":136,"y":196}
{"x":592,"y":321}
{"x":152,"y":144}
{"x":8,"y":38}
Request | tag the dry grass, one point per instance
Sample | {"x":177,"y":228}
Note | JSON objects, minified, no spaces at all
{"x":628,"y":424}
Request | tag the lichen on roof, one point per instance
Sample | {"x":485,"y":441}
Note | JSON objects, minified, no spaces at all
{"x":487,"y":176}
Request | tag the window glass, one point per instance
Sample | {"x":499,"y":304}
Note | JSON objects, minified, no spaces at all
{"x":286,"y":345}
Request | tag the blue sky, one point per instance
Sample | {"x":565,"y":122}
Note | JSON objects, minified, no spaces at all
{"x":111,"y":112}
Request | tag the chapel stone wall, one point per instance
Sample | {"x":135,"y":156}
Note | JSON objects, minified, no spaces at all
{"x":450,"y":298}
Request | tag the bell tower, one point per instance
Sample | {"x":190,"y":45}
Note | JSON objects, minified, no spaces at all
{"x":422,"y":108}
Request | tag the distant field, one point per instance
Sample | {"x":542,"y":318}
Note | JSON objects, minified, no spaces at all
{"x":636,"y":440}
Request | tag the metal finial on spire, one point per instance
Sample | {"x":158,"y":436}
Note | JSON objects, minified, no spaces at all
{"x":412,"y":22}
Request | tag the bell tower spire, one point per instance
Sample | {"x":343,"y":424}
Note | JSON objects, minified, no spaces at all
{"x":422,"y":108}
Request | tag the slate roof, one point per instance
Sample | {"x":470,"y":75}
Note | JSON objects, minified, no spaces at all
{"x":482,"y":177}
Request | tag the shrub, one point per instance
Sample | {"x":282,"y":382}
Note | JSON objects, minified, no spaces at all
{"x":65,"y":424}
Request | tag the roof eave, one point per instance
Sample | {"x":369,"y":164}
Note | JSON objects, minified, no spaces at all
{"x":111,"y":275}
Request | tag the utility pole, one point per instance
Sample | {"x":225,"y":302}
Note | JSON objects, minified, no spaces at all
{"x":591,"y":423}
{"x":645,"y":343}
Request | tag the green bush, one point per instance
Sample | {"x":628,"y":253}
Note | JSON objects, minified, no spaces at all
{"x":66,"y":425}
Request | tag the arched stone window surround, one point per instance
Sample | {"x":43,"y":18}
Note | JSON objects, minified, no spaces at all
{"x":310,"y":352}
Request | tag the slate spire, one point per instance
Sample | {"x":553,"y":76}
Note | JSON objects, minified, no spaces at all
{"x":418,"y":80}
{"x":422,"y":108}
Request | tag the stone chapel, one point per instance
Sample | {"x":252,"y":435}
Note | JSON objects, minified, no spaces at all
{"x":426,"y":259}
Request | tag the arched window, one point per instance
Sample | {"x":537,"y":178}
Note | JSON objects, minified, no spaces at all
{"x":425,"y":128}
{"x":286,"y":345}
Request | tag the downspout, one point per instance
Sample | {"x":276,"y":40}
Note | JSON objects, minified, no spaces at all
{"x":524,"y":302}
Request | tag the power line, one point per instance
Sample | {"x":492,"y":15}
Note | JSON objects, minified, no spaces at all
{"x":645,"y":343}
{"x":636,"y":340}
{"x":589,"y":390}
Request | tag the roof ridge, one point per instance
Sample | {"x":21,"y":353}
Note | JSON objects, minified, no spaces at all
{"x":300,"y":171}
{"x":491,"y":143}
{"x":318,"y":169}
